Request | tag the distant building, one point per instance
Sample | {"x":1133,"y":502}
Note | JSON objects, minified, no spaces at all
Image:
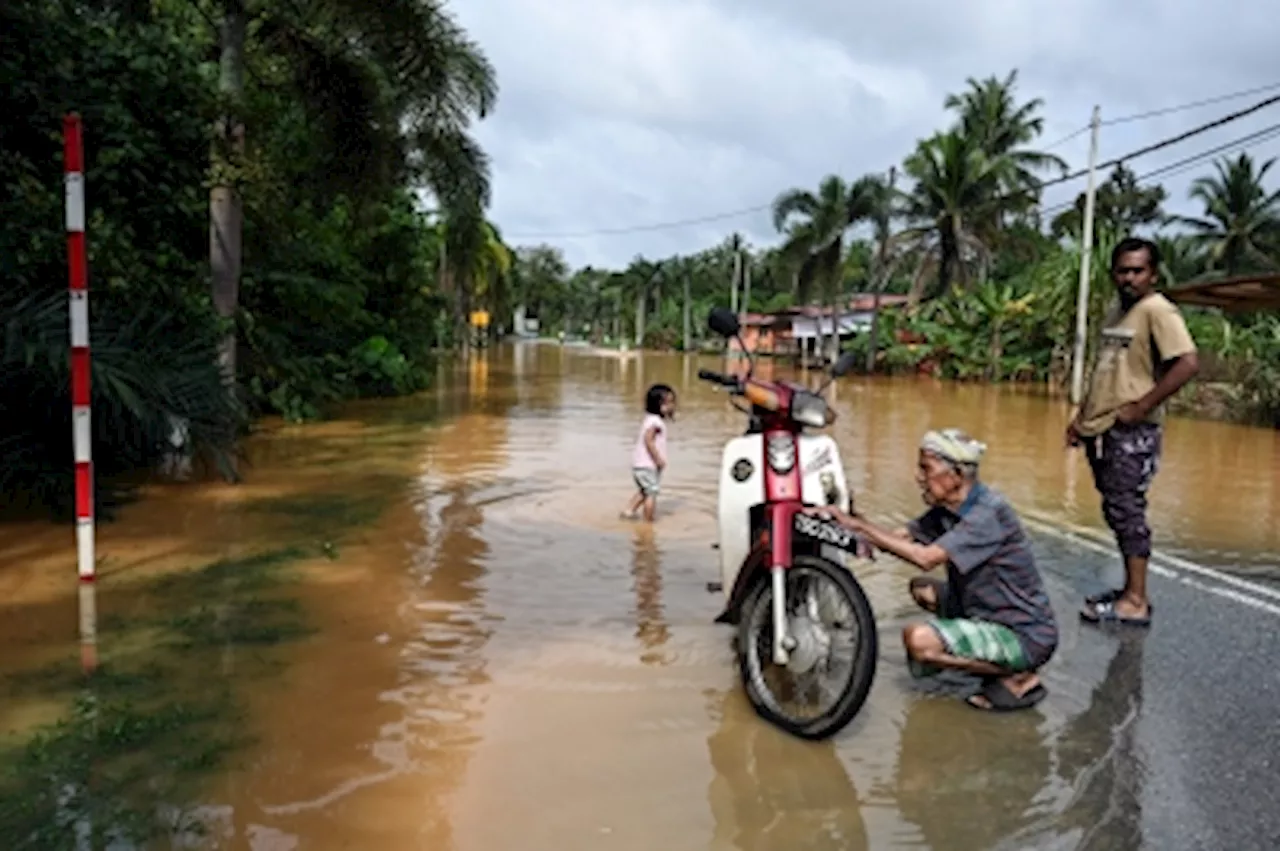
{"x":523,"y":325}
{"x":801,"y":330}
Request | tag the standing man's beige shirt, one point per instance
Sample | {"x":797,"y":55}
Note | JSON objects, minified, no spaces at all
{"x":1131,"y":349}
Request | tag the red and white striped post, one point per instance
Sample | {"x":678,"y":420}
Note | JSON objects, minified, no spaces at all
{"x":73,"y":162}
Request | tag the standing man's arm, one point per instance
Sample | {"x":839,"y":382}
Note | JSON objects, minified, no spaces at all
{"x":1174,"y":344}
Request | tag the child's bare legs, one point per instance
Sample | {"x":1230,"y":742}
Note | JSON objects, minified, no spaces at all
{"x":650,"y":506}
{"x":632,"y":511}
{"x":647,"y":484}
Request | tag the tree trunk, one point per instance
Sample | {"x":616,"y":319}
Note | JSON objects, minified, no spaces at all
{"x":226,"y":215}
{"x":948,"y":255}
{"x":641,"y":305}
{"x":733,"y":284}
{"x":884,"y":224}
{"x":874,"y":343}
{"x":746,"y":286}
{"x":617,"y":322}
{"x":463,"y":302}
{"x":688,"y":328}
{"x":834,"y":344}
{"x":877,"y":289}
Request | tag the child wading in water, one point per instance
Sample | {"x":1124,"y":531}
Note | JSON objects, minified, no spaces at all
{"x":649,"y":456}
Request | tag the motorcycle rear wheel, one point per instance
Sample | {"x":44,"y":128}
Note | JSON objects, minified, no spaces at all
{"x":812,"y":655}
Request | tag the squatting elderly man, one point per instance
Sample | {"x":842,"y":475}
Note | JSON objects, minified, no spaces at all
{"x":992,"y":616}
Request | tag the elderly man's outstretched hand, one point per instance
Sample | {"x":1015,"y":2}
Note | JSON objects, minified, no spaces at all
{"x":830,"y":512}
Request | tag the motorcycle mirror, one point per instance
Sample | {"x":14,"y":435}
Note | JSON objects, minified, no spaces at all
{"x":724,"y":322}
{"x":844,"y":364}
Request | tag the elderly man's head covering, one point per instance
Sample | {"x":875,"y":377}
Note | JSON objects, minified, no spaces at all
{"x":953,"y":445}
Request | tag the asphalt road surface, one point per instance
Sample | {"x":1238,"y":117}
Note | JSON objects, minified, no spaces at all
{"x":1190,"y":706}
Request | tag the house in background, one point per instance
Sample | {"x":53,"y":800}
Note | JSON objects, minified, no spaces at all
{"x":799,"y":331}
{"x":523,"y":325}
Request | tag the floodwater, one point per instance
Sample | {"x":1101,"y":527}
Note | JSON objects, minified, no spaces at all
{"x":501,"y":663}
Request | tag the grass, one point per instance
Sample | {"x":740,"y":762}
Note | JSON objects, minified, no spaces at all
{"x":127,"y":761}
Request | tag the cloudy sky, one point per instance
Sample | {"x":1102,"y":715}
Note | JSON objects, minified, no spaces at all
{"x":626,"y":115}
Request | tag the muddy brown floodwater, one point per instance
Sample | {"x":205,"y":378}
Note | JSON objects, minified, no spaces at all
{"x":501,"y":663}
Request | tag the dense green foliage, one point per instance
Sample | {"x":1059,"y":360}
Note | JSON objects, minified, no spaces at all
{"x":991,"y":276}
{"x":349,"y":108}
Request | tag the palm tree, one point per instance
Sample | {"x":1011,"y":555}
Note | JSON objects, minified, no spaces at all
{"x":956,"y":188}
{"x":391,"y":87}
{"x":1241,"y":222}
{"x":642,"y":279}
{"x":880,"y":208}
{"x":1119,"y":200}
{"x":1183,"y":258}
{"x":475,"y":264}
{"x":493,"y":281}
{"x":814,"y":226}
{"x":989,"y":114}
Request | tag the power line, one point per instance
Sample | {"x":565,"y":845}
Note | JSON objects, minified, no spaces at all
{"x":1172,"y":140}
{"x":1266,"y":134}
{"x":1153,"y":113}
{"x":1125,"y":119}
{"x":714,"y":217}
{"x":1243,"y":143}
{"x":1066,"y":178}
{"x":1074,"y":134}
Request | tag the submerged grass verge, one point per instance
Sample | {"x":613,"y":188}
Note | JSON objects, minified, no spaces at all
{"x":124,"y":767}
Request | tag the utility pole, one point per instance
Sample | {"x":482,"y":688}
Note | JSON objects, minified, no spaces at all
{"x":1086,"y":253}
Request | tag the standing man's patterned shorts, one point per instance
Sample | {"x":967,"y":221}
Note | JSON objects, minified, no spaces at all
{"x":1124,"y":460}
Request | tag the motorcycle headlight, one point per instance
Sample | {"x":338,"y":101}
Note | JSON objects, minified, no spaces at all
{"x":809,"y":409}
{"x":781,"y":452}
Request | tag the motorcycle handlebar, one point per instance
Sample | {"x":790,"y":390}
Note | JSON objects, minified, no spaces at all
{"x":717,"y":378}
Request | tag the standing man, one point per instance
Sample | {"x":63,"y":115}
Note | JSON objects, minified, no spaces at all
{"x":1145,"y":355}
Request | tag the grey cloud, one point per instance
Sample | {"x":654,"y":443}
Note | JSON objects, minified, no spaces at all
{"x":618,"y":113}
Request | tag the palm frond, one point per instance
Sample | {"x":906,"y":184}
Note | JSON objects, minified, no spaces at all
{"x":792,"y":202}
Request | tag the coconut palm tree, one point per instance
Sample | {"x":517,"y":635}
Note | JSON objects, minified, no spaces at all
{"x":1240,"y":228}
{"x":814,"y":226}
{"x":880,"y":208}
{"x":957,"y":187}
{"x":990,"y":115}
{"x":1183,"y":258}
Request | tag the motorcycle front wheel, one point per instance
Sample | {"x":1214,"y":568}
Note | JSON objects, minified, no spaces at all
{"x":829,"y":673}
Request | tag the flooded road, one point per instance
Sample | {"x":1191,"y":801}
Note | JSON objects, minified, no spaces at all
{"x":501,"y":663}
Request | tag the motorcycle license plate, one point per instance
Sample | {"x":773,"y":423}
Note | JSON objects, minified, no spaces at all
{"x":827,"y":532}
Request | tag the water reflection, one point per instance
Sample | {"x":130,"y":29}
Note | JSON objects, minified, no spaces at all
{"x":772,"y":792}
{"x":88,"y":600}
{"x":498,"y":629}
{"x":646,"y":571}
{"x":1099,"y":757}
{"x":968,"y":780}
{"x":380,"y":726}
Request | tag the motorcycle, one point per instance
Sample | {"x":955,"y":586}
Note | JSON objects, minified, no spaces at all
{"x":805,"y":628}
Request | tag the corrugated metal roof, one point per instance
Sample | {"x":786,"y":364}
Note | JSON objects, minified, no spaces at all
{"x":859,"y":303}
{"x":1240,"y":293}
